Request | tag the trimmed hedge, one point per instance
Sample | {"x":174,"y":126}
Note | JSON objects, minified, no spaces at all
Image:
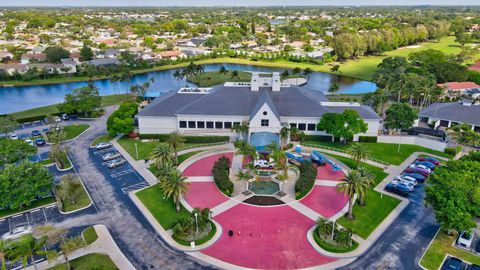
{"x":220,"y":172}
{"x":188,"y":139}
{"x":453,"y":150}
{"x":318,"y":138}
{"x":306,"y":180}
{"x":368,"y":139}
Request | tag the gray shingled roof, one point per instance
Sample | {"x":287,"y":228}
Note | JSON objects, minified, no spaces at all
{"x":222,"y":100}
{"x":453,"y":111}
{"x":264,"y":98}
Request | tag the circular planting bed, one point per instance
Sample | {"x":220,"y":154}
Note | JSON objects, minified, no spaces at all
{"x":263,"y":200}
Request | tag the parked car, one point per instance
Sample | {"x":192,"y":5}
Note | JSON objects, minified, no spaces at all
{"x":420,"y":178}
{"x":116,"y":162}
{"x":17,"y":232}
{"x":400,"y":190}
{"x":65,"y":116}
{"x":474,"y":267}
{"x":14,"y":136}
{"x":45,"y":130}
{"x":261,"y":163}
{"x":30,"y":142}
{"x":111,"y":156}
{"x":46,"y":120}
{"x":57,"y":119}
{"x":408,"y":179}
{"x":36,"y":133}
{"x":429,"y":159}
{"x":413,"y":165}
{"x":402,"y":182}
{"x":417,"y":170}
{"x":465,"y":239}
{"x":427,"y":164}
{"x":40,"y":141}
{"x":452,"y":263}
{"x":103,"y":145}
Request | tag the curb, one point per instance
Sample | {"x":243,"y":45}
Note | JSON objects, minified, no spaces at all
{"x":425,"y":252}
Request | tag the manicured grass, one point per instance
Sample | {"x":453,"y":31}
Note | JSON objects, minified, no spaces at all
{"x":199,"y":241}
{"x":182,"y":158}
{"x":144,"y":148}
{"x":441,"y":245}
{"x":82,"y":201}
{"x":63,"y":157}
{"x":328,"y":247}
{"x":162,"y":209}
{"x":386,"y":151}
{"x":99,"y":139}
{"x":73,"y":131}
{"x":45,"y":162}
{"x":212,"y":78}
{"x":35,"y":204}
{"x":89,"y":235}
{"x":89,"y":262}
{"x":52,"y":109}
{"x":368,"y":217}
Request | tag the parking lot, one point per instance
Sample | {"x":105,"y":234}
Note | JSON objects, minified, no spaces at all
{"x":123,"y":177}
{"x":465,"y":265}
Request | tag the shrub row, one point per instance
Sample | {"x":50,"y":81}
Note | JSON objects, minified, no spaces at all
{"x":188,"y":139}
{"x":368,"y":139}
{"x":306,"y":180}
{"x":453,"y":150}
{"x":220,"y":172}
{"x":318,"y":138}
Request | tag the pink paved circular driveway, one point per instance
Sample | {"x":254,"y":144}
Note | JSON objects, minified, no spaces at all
{"x":204,"y":166}
{"x":327,"y":173}
{"x":270,"y":238}
{"x":326,"y":201}
{"x":204,"y":194}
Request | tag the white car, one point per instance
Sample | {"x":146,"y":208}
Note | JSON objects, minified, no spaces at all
{"x":103,"y":145}
{"x":17,"y":232}
{"x":409,"y":179}
{"x":57,"y":119}
{"x":413,"y":166}
{"x":14,"y":137}
{"x":408,"y":185}
{"x":30,"y":142}
{"x":465,"y":239}
{"x":261,"y":163}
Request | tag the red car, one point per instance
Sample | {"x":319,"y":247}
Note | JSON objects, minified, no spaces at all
{"x":432,"y":160}
{"x":417,"y":170}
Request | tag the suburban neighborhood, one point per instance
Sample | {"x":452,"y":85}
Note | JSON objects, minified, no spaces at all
{"x":225,"y":137}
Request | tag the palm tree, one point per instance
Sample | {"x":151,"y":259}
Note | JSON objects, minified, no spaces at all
{"x":26,"y":248}
{"x":176,"y":141}
{"x":199,"y":69}
{"x":284,"y":132}
{"x":68,"y":246}
{"x":241,"y":129}
{"x":4,"y":249}
{"x":353,"y":184}
{"x":235,"y":75}
{"x":335,"y":69}
{"x":369,"y":179}
{"x":163,"y":153}
{"x":178,"y":76}
{"x":174,"y":186}
{"x":285,"y":74}
{"x":334,"y":87}
{"x":359,"y":153}
{"x":324,"y":227}
{"x":307,"y":72}
{"x":223,"y":70}
{"x":69,"y":188}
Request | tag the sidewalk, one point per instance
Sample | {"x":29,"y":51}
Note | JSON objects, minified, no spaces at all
{"x":103,"y":245}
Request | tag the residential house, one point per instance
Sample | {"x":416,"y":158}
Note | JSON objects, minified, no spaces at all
{"x":5,"y":56}
{"x":10,"y":69}
{"x":452,"y":113}
{"x":33,"y":58}
{"x":104,"y":62}
{"x":453,"y":89}
{"x":173,"y":55}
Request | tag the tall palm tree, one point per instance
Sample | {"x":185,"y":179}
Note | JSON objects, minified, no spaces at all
{"x":353,"y":184}
{"x":26,"y":248}
{"x":176,"y":141}
{"x":235,"y":75}
{"x":164,"y":170}
{"x":284,"y":133}
{"x":178,"y":76}
{"x":359,"y":153}
{"x":369,"y":179}
{"x":240,"y":129}
{"x":174,"y":186}
{"x":335,"y":69}
{"x":4,"y":248}
{"x":334,"y":87}
{"x":223,"y":70}
{"x":306,"y":73}
{"x":69,"y":245}
{"x":163,"y":153}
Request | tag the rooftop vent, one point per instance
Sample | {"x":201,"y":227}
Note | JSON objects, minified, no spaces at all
{"x":193,"y":90}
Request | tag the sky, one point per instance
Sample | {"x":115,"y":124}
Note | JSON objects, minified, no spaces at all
{"x":230,"y":2}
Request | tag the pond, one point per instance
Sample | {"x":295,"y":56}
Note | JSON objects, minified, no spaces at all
{"x":14,"y":99}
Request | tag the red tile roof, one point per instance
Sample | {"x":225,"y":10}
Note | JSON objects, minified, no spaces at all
{"x":170,"y":53}
{"x":475,"y":67}
{"x":459,"y":85}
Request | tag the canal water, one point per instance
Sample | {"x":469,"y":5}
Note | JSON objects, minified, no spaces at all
{"x":14,"y":99}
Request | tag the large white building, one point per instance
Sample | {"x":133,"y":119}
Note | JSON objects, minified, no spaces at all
{"x":265,"y":103}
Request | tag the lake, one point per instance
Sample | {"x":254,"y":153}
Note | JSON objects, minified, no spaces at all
{"x":14,"y":99}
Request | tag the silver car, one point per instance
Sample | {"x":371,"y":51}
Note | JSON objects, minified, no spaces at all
{"x":116,"y":162}
{"x":17,"y":232}
{"x":111,"y":156}
{"x":103,"y":145}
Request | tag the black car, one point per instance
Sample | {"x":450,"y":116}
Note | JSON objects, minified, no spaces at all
{"x":452,"y":263}
{"x":36,"y":133}
{"x":397,"y":190}
{"x":39,"y":141}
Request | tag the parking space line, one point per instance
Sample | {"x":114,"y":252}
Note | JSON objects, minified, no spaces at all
{"x":28,"y":222}
{"x":34,"y":211}
{"x":120,"y":173}
{"x":17,"y":216}
{"x":134,"y":187}
{"x":44,"y":214}
{"x":51,"y":206}
{"x":9,"y":225}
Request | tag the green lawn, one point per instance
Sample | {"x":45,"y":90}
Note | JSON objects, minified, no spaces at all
{"x":73,"y":131}
{"x":89,"y":235}
{"x":45,"y":162}
{"x":212,"y":78}
{"x":102,"y":138}
{"x":368,"y":217}
{"x":162,"y":209}
{"x":89,"y":262}
{"x":82,"y":201}
{"x":64,"y":160}
{"x":441,"y":245}
{"x":35,"y":204}
{"x":386,"y":151}
{"x":52,"y":109}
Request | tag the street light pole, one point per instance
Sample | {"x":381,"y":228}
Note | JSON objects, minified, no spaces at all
{"x":136,"y":150}
{"x":333,"y":228}
{"x":196,"y":222}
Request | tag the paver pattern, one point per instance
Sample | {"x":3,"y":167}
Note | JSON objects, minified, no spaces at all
{"x":326,"y":201}
{"x":204,"y":166}
{"x":204,"y":195}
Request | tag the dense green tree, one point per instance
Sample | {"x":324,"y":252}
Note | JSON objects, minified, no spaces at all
{"x":7,"y":125}
{"x":69,"y":188}
{"x":86,"y":53}
{"x":55,"y":54}
{"x":15,"y":150}
{"x":121,"y":120}
{"x":399,"y":116}
{"x":84,"y":101}
{"x":342,"y":125}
